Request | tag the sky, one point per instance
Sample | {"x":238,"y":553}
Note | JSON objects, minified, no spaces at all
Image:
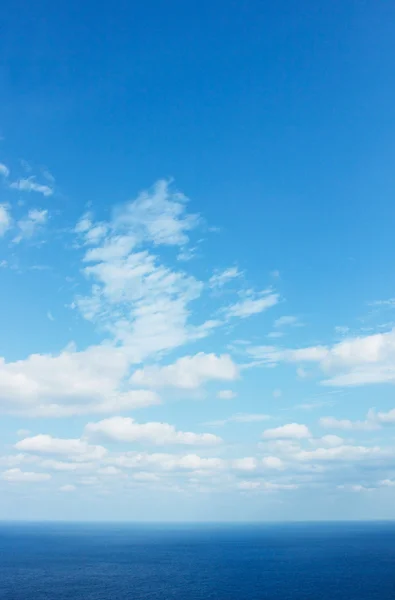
{"x":197,"y":307}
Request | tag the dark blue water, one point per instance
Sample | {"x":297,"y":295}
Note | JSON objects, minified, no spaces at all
{"x":298,"y":562}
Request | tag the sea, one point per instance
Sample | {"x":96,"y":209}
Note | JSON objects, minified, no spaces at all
{"x":317,"y":561}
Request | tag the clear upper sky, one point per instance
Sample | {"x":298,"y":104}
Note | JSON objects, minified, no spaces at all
{"x":197,"y":260}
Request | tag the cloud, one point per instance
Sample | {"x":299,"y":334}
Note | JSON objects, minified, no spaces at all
{"x":4,"y":170}
{"x":373,"y":421}
{"x":273,"y":462}
{"x":70,"y":383}
{"x":67,"y":488}
{"x":344,"y":453}
{"x":289,"y":431}
{"x":221,"y":278}
{"x":252,"y":304}
{"x":18,"y":476}
{"x":248,"y":485}
{"x":29,"y":225}
{"x":249,"y":463}
{"x":125,"y":429}
{"x":74,"y":447}
{"x":168,"y":462}
{"x":348,"y":425}
{"x":240,"y":418}
{"x":352,"y":362}
{"x":140,"y":302}
{"x":226,"y":394}
{"x":30,"y":185}
{"x":331,"y":441}
{"x":5,"y":219}
{"x":189,"y":372}
{"x":286,"y":321}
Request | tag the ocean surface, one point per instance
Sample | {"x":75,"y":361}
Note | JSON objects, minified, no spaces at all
{"x":349,"y":561}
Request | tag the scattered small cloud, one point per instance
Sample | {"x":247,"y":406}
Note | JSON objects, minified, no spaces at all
{"x":252,"y":303}
{"x":289,"y":431}
{"x":221,"y":278}
{"x":226,"y":394}
{"x":189,"y":372}
{"x":5,"y":219}
{"x":4,"y":170}
{"x":29,"y":225}
{"x":18,"y":476}
{"x":67,"y":488}
{"x":30,"y":185}
{"x":287,"y":321}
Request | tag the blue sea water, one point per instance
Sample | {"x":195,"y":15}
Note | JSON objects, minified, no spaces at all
{"x":349,"y":561}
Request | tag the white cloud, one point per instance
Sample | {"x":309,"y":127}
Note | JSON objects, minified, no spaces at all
{"x":289,"y":431}
{"x":29,"y":225}
{"x":221,"y":278}
{"x":351,"y":362}
{"x":275,"y":334}
{"x":74,"y":447}
{"x":18,"y":476}
{"x":344,"y":453}
{"x":50,"y":316}
{"x":70,"y":383}
{"x":277,"y":393}
{"x":226,"y":394}
{"x":67,"y":488}
{"x":4,"y":170}
{"x":23,"y":432}
{"x":189,"y":372}
{"x":248,"y":463}
{"x":346,"y":424}
{"x":142,"y":303}
{"x":286,"y":321}
{"x":331,"y":441}
{"x":5,"y":219}
{"x":30,"y":185}
{"x":125,"y":429}
{"x":252,"y":304}
{"x":167,"y":462}
{"x":240,"y":418}
{"x":248,"y":485}
{"x":273,"y":462}
{"x":373,"y":421}
{"x":387,"y":483}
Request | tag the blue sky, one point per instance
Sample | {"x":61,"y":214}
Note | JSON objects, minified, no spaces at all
{"x":196,"y":261}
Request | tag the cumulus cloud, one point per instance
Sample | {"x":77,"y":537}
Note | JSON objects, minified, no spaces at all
{"x":125,"y":429}
{"x":168,"y":462}
{"x":351,"y":362}
{"x":46,"y":444}
{"x":18,"y":476}
{"x":249,"y":463}
{"x":374,"y":420}
{"x":289,"y":431}
{"x":70,"y":383}
{"x":189,"y":372}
